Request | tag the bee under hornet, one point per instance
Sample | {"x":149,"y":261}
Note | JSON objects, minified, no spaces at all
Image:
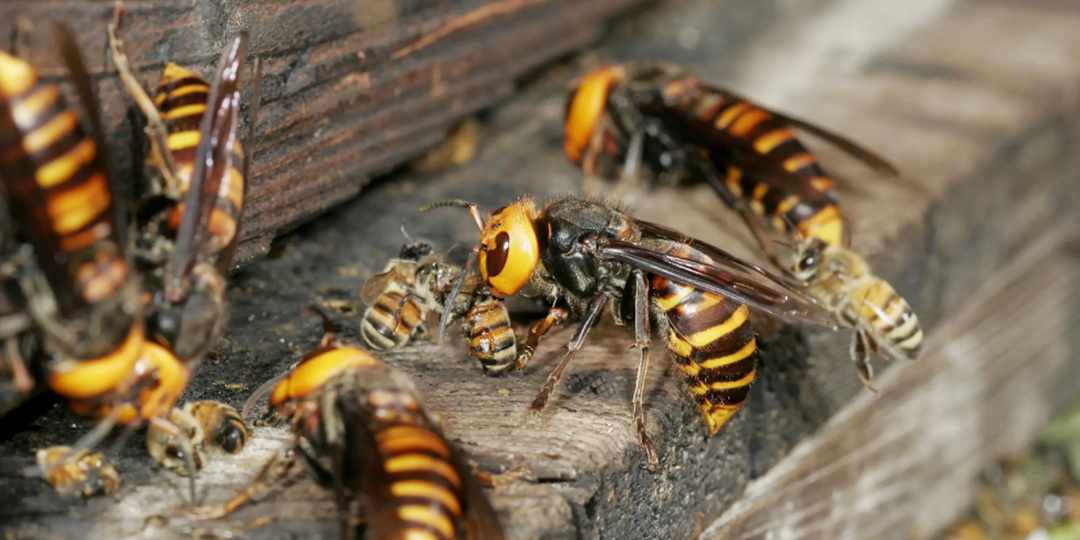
{"x":684,"y":129}
{"x":80,"y":293}
{"x":415,"y":287}
{"x":360,"y":427}
{"x":204,"y":424}
{"x":593,"y":256}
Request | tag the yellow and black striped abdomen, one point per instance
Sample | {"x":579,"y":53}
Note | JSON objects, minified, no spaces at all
{"x":57,"y":189}
{"x":875,"y":307}
{"x":714,"y":346}
{"x":740,"y":136}
{"x":182,"y":100}
{"x":392,"y":320}
{"x":426,"y":490}
{"x":491,"y":338}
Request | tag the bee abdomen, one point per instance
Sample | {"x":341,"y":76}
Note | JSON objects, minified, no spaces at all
{"x":391,"y":322}
{"x":491,"y":337}
{"x":890,"y":319}
{"x":714,"y":345}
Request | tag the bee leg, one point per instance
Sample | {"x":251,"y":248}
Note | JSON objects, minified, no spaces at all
{"x":536,"y":331}
{"x":186,"y":449}
{"x":592,"y":313}
{"x":400,"y":306}
{"x":13,"y":360}
{"x":276,"y":468}
{"x":155,"y":127}
{"x":860,"y":355}
{"x":641,"y":337}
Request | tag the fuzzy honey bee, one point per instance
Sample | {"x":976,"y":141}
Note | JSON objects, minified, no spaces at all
{"x":80,"y":473}
{"x":593,"y":256}
{"x":683,"y":129}
{"x":223,"y":428}
{"x":360,"y":427}
{"x":842,"y":282}
{"x":203,"y":425}
{"x":414,"y":288}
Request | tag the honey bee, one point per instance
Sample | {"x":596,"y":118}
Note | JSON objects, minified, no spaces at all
{"x":415,"y":287}
{"x":204,"y":424}
{"x":360,"y":427}
{"x":593,"y":256}
{"x":842,"y":281}
{"x":78,"y":473}
{"x":684,"y":129}
{"x":177,"y":451}
{"x":223,"y":427}
{"x":76,"y":280}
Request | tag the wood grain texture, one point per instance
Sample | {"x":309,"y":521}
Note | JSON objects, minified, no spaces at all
{"x":352,"y":88}
{"x":903,"y":463}
{"x":977,"y":104}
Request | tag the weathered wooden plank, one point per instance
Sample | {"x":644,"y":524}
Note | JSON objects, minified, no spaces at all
{"x":981,"y":187}
{"x":902,"y":464}
{"x":352,"y":88}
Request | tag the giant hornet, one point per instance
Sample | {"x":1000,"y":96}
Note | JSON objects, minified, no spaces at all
{"x":417,"y":285}
{"x":593,"y":255}
{"x":684,"y":129}
{"x":360,"y":427}
{"x":187,"y":220}
{"x":74,"y":274}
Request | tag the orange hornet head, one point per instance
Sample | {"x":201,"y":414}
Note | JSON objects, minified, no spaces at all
{"x":509,"y":251}
{"x":314,"y":372}
{"x":586,"y":103}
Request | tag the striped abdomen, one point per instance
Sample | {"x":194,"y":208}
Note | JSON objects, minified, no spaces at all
{"x":57,"y":190}
{"x":742,"y":136}
{"x":875,"y":307}
{"x":182,"y":100}
{"x":392,"y":320}
{"x":426,"y":492}
{"x":491,"y":338}
{"x":714,"y":345}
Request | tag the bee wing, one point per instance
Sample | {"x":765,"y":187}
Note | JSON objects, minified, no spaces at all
{"x":729,"y":276}
{"x":213,"y":157}
{"x":855,"y":150}
{"x":376,"y":285}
